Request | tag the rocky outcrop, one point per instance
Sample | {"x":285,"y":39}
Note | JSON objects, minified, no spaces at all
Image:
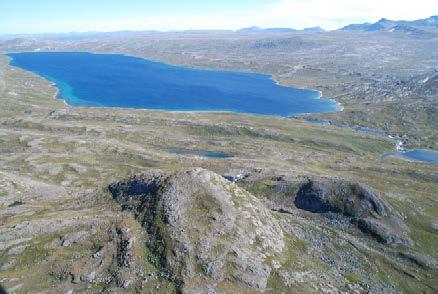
{"x":206,"y":232}
{"x":356,"y":202}
{"x":332,"y":195}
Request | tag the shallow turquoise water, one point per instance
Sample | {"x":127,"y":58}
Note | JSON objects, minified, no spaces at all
{"x":109,"y":80}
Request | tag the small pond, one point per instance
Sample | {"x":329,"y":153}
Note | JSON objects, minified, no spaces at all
{"x":201,"y":153}
{"x":420,"y":155}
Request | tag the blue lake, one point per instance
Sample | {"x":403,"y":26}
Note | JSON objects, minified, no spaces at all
{"x":202,"y":153}
{"x":426,"y":156}
{"x":109,"y":80}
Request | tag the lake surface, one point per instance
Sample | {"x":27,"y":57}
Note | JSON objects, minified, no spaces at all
{"x":109,"y":80}
{"x":426,"y":156}
{"x":201,"y":153}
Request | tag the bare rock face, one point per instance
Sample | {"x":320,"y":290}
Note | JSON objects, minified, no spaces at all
{"x":208,"y":233}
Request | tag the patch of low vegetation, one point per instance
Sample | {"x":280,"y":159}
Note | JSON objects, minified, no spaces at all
{"x":58,"y":160}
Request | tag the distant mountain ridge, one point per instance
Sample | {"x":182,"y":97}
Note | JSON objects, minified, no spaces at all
{"x":422,"y":27}
{"x":317,"y":29}
{"x":256,"y":29}
{"x":386,"y":24}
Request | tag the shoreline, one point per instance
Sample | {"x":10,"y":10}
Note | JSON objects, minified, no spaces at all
{"x":397,"y":153}
{"x":338,"y":106}
{"x":320,"y":96}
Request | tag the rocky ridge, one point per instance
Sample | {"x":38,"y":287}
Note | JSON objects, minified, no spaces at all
{"x":359,"y":204}
{"x":207,"y":232}
{"x":210,"y":235}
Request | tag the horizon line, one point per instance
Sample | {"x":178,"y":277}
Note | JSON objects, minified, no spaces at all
{"x":197,"y":30}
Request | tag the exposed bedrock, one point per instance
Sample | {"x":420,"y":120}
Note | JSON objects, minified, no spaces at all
{"x":358,"y":202}
{"x":361,"y":205}
{"x":350,"y":199}
{"x":208,"y":233}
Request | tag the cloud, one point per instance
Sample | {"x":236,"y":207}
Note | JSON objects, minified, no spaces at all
{"x":330,"y":14}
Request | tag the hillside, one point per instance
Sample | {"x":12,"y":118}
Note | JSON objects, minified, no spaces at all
{"x":94,"y":200}
{"x":112,"y":200}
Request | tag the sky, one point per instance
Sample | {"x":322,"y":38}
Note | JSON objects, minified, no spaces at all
{"x":51,"y":16}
